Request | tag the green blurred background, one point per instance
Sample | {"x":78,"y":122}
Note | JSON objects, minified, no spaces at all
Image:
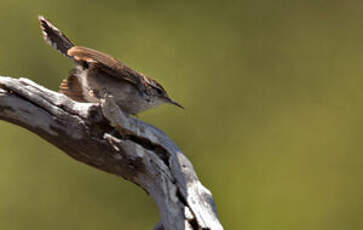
{"x":273,"y":123}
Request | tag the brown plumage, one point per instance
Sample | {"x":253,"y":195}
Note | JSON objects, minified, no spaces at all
{"x":97,"y":74}
{"x":105,"y":62}
{"x":72,"y":88}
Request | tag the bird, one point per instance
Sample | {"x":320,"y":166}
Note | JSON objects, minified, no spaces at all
{"x":97,"y":74}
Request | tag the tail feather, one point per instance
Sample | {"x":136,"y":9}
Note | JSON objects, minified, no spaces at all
{"x":54,"y":37}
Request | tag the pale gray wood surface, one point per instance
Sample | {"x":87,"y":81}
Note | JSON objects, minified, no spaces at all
{"x":104,"y":137}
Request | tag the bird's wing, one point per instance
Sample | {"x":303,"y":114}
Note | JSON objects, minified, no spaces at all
{"x":105,"y":63}
{"x":72,"y":88}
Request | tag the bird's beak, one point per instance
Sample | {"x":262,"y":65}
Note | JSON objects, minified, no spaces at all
{"x":175,"y":103}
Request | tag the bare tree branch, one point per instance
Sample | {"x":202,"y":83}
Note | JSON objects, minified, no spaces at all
{"x":104,"y":137}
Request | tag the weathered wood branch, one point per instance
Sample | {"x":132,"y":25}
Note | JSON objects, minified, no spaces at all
{"x":104,"y":137}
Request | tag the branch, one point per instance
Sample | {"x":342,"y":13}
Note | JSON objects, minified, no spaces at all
{"x":102,"y":136}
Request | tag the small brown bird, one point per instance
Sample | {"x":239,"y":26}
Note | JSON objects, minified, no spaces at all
{"x":96,"y":74}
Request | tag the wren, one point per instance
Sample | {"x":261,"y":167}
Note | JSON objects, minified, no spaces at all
{"x":97,"y":74}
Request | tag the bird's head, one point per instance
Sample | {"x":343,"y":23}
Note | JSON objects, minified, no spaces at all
{"x":159,"y":93}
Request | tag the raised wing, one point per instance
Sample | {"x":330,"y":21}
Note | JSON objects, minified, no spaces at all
{"x":72,"y":88}
{"x":105,"y":63}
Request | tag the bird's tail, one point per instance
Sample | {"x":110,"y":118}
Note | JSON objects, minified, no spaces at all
{"x":54,"y":37}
